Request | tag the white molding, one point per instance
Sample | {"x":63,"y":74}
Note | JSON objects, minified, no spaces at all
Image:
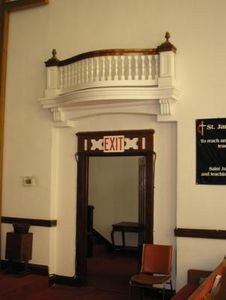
{"x":65,"y":107}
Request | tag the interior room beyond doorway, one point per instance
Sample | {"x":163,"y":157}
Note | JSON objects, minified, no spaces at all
{"x":113,"y":191}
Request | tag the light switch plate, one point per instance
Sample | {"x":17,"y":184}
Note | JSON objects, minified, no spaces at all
{"x":28,"y":181}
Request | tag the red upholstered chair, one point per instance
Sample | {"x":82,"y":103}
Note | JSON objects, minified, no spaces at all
{"x":155,"y":268}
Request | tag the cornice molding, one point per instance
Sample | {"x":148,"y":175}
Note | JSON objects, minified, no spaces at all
{"x":159,"y":99}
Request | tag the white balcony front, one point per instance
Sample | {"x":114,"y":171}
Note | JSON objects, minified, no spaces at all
{"x":107,"y":77}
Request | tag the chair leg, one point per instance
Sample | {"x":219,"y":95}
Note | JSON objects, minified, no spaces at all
{"x":163,"y":292}
{"x":171,"y":285}
{"x":141,"y":293}
{"x":130,"y":292}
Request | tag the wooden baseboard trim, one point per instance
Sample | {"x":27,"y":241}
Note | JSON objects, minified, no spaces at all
{"x":32,"y":222}
{"x":18,"y":266}
{"x":63,"y":280}
{"x":200,"y":233}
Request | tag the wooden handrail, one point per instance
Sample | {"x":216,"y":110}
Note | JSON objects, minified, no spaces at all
{"x":109,"y":52}
{"x":166,"y":46}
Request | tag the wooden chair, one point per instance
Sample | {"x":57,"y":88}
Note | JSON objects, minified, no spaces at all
{"x":155,"y":268}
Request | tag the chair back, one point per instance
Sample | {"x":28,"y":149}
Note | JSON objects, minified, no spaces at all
{"x":156,"y":259}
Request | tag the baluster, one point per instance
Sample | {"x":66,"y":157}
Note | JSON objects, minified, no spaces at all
{"x":79,"y":72}
{"x":143,"y":67}
{"x":129,"y":67}
{"x":136,"y":68}
{"x":149,"y":67}
{"x":92,"y":70}
{"x":77,"y":63}
{"x":82,"y":71}
{"x":103,"y":77}
{"x":97,"y":69}
{"x":69,"y":75}
{"x":65,"y":77}
{"x":76,"y":74}
{"x":156,"y":57}
{"x":116,"y":67}
{"x":61,"y":77}
{"x":87,"y":70}
{"x":72,"y":74}
{"x":123,"y":67}
{"x":109,"y":68}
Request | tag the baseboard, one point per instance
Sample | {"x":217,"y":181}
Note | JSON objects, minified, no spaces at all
{"x":19,"y":266}
{"x":63,"y":280}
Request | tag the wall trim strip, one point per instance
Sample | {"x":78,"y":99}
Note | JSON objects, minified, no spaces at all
{"x":32,"y":222}
{"x":200,"y":233}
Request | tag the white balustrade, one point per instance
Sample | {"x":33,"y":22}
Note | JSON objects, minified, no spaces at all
{"x":131,"y":74}
{"x":112,"y":70}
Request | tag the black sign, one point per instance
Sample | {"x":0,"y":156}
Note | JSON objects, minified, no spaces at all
{"x":211,"y":151}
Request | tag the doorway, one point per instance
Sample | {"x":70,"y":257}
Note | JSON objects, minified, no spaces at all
{"x":112,"y":199}
{"x":120,"y":143}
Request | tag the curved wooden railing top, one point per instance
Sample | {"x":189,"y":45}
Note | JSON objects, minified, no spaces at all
{"x":166,"y":46}
{"x":110,"y":68}
{"x":54,"y":61}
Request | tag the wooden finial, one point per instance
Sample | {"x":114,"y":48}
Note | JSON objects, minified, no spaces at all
{"x":54,"y":53}
{"x":167,"y":36}
{"x":53,"y":61}
{"x":166,"y":46}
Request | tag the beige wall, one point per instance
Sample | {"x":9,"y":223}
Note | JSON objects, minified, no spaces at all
{"x":34,"y":147}
{"x":113,"y":191}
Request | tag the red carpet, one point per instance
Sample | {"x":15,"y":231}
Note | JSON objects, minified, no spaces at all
{"x":111,"y":271}
{"x":70,"y":293}
{"x":108,"y":279}
{"x":34,"y":287}
{"x":16,"y":288}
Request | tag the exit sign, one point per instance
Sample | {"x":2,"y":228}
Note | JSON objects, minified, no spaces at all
{"x":113,"y":143}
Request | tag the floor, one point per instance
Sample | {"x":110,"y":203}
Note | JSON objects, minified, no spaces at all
{"x":108,"y":279}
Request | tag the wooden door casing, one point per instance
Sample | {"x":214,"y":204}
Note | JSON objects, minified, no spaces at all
{"x":84,"y":153}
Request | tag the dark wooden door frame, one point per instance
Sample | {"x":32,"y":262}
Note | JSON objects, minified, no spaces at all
{"x":144,"y":148}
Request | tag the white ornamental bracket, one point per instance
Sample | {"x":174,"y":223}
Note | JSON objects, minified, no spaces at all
{"x":165,"y":107}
